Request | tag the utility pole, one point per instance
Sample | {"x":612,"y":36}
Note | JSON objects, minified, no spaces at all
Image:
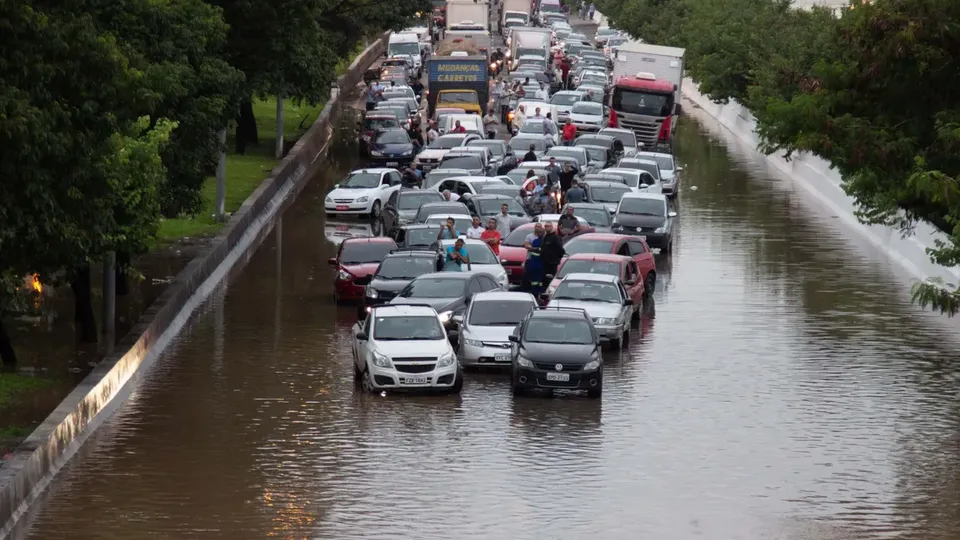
{"x":222,"y":177}
{"x":109,"y":301}
{"x":279,"y":152}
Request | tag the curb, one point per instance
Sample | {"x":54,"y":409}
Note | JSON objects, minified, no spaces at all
{"x":33,"y":465}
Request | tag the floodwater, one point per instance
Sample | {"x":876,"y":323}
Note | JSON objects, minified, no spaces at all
{"x":786,"y":389}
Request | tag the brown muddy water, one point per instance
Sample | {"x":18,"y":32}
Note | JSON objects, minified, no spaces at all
{"x":785,"y":389}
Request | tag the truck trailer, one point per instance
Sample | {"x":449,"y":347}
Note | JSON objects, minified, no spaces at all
{"x":646,"y":90}
{"x":460,"y":12}
{"x":458,"y":81}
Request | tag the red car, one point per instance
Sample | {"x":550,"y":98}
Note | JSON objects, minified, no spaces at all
{"x":618,"y":244}
{"x":513,"y":254}
{"x":357,"y":260}
{"x":596,"y":263}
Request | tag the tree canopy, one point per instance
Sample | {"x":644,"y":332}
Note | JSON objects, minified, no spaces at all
{"x":868,"y":89}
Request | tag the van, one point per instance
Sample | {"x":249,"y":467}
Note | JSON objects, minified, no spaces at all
{"x":405,"y":44}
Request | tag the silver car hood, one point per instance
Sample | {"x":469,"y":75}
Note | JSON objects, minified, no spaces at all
{"x":491,"y":334}
{"x":594,"y":309}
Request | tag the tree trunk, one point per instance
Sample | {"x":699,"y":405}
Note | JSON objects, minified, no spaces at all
{"x":246,"y":127}
{"x":123,"y":283}
{"x":8,"y":357}
{"x":85,"y":324}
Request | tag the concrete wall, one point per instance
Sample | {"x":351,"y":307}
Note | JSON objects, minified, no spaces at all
{"x":816,"y":176}
{"x":33,"y":465}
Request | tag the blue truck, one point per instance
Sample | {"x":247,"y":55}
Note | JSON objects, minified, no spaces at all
{"x":458,"y":81}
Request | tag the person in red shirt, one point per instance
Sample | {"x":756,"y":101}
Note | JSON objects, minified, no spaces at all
{"x":565,"y":71}
{"x":457,"y":128}
{"x":614,"y":121}
{"x":569,"y":133}
{"x":492,"y":236}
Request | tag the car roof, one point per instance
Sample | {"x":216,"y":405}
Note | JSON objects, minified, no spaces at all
{"x":637,"y":160}
{"x":615,"y":130}
{"x":369,"y":240}
{"x":454,"y":216}
{"x":470,"y":241}
{"x":486,"y":142}
{"x":447,"y":275}
{"x":599,"y":257}
{"x":610,"y":237}
{"x":568,"y":92}
{"x":623,"y":170}
{"x":371,"y":170}
{"x":378,"y":114}
{"x":553,"y":313}
{"x":586,"y":205}
{"x":494,"y":196}
{"x":594,"y":135}
{"x":420,"y":226}
{"x":583,"y":276}
{"x":503,"y":296}
{"x":654,"y":154}
{"x":403,"y":310}
{"x":604,"y":184}
{"x":410,"y":253}
{"x":535,"y":164}
{"x":477,"y":179}
{"x":641,"y":195}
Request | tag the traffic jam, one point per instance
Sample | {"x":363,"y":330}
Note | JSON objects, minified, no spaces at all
{"x":520,"y":186}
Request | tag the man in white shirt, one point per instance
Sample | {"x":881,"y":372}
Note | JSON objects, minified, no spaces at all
{"x":542,"y":94}
{"x":450,"y":196}
{"x":536,"y":114}
{"x":503,"y":221}
{"x":432,"y":133}
{"x":475,"y":229}
{"x":519,"y":118}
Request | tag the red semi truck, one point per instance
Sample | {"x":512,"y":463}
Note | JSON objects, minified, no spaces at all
{"x":646,"y":90}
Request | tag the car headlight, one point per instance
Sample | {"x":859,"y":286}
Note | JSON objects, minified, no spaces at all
{"x":605,"y":320}
{"x":502,"y":276}
{"x":445,"y":317}
{"x":328,"y":200}
{"x":472,"y":342}
{"x":592,"y":366}
{"x":447,"y":360}
{"x":381,"y":360}
{"x":363,"y":199}
{"x":660,"y":230}
{"x":524,"y":362}
{"x":344,"y":276}
{"x":372,"y":293}
{"x":375,"y":153}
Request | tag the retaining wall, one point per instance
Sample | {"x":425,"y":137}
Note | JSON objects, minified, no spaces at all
{"x":816,"y":176}
{"x":33,"y":465}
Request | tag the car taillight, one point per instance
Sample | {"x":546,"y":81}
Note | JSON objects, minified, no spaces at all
{"x":665,"y":129}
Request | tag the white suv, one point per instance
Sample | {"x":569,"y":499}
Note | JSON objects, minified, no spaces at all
{"x":404,"y":347}
{"x":362,"y":192}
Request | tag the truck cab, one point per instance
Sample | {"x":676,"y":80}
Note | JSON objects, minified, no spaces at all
{"x":647,"y":106}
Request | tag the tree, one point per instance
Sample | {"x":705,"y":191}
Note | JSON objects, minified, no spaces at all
{"x":880,"y":109}
{"x":80,"y":166}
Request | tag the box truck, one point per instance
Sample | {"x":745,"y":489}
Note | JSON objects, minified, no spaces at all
{"x":646,"y":90}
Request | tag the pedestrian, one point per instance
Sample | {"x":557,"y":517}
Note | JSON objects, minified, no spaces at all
{"x":531,"y":155}
{"x":569,"y":133}
{"x":565,"y":72}
{"x":371,"y":96}
{"x":613,"y":122}
{"x":576,"y":194}
{"x":457,"y":128}
{"x":536,"y":114}
{"x":450,"y":196}
{"x":539,"y":186}
{"x":553,"y":172}
{"x":490,"y":123}
{"x":593,"y":9}
{"x":542,"y":94}
{"x":504,"y":221}
{"x":533,"y":269}
{"x":432,"y":132}
{"x":568,"y":224}
{"x":449,"y":231}
{"x":551,"y":250}
{"x":499,"y":91}
{"x":566,"y":177}
{"x":519,"y":117}
{"x":550,"y":128}
{"x":492,"y":236}
{"x":457,"y":256}
{"x":475,"y":230}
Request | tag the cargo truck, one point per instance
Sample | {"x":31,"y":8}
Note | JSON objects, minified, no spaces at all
{"x":529,"y":41}
{"x":515,"y":9}
{"x":460,"y":12}
{"x":646,"y":90}
{"x":458,"y":82}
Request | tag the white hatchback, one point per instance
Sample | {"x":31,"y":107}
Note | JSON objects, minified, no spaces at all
{"x":362,"y":192}
{"x":482,"y":259}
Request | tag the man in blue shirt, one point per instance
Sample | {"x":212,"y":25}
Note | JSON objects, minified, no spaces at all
{"x":456,"y":257}
{"x":448,"y":231}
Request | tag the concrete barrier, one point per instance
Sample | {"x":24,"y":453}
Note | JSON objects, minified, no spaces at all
{"x":817,"y":177}
{"x":34,"y":464}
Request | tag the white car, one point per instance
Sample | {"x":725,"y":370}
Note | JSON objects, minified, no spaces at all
{"x":471,"y":122}
{"x":588,"y":116}
{"x":336,"y":232}
{"x":400,"y":347}
{"x":563,"y":101}
{"x":605,"y":300}
{"x":471,"y":185}
{"x":534,"y":126}
{"x":530,"y":108}
{"x":637,"y":180}
{"x":486,"y":325}
{"x":669,"y":170}
{"x":362,"y":192}
{"x":482,"y":259}
{"x":434,"y":152}
{"x":462,"y":222}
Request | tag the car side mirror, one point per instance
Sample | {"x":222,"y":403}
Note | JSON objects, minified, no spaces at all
{"x":362,"y":337}
{"x":336,"y":186}
{"x":671,"y":214}
{"x":513,"y":338}
{"x":679,"y":169}
{"x":628,"y":302}
{"x":332,"y":261}
{"x":549,"y":277}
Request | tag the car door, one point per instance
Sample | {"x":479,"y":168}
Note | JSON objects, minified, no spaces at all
{"x":360,"y":347}
{"x":634,"y":282}
{"x":626,"y":311}
{"x":463,"y":188}
{"x":447,"y":185}
{"x":390,"y":213}
{"x":622,"y":248}
{"x":471,"y":206}
{"x":641,"y":254}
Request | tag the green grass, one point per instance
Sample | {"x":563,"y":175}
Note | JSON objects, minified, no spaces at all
{"x":12,"y":385}
{"x":244,"y":173}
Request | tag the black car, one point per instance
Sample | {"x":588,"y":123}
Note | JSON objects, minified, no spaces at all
{"x":488,"y":205}
{"x":648,"y":215}
{"x":446,"y":292}
{"x":557,"y":348}
{"x":392,"y":148}
{"x":604,"y":141}
{"x":402,"y":206}
{"x":420,"y":235}
{"x":443,"y":207}
{"x":396,"y":271}
{"x":504,"y":158}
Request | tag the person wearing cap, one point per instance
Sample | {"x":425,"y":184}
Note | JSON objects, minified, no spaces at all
{"x":456,"y":257}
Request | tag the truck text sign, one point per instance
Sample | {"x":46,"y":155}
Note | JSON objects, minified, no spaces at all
{"x":451,"y":72}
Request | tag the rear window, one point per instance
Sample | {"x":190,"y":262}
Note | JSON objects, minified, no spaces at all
{"x":412,"y":200}
{"x":553,"y":330}
{"x":461,"y":162}
{"x":518,"y":237}
{"x":589,"y":267}
{"x":364,"y":252}
{"x":499,"y":312}
{"x":582,"y":245}
{"x":380,"y":123}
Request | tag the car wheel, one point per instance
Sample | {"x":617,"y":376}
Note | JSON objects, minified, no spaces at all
{"x":617,"y":344}
{"x":625,"y":338}
{"x":649,"y":284}
{"x":357,"y":374}
{"x":515,"y":386}
{"x":457,"y":383}
{"x":367,"y":381}
{"x":669,"y":248}
{"x":595,"y":393}
{"x":375,"y":211}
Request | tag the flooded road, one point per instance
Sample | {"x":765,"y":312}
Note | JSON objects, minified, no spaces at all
{"x":786,"y":389}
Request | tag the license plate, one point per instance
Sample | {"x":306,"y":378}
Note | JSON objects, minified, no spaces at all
{"x":559,"y":377}
{"x":393,"y":163}
{"x":418,"y":380}
{"x":343,"y":227}
{"x":501,"y":357}
{"x":342,"y":207}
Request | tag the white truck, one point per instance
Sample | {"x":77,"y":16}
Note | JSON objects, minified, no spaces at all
{"x":468,"y":13}
{"x":530,"y":42}
{"x":515,"y":9}
{"x":646,"y":90}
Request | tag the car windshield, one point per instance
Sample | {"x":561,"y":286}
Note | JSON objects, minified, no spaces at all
{"x":590,"y":77}
{"x":425,"y":236}
{"x":518,"y":237}
{"x":642,"y":207}
{"x":588,"y":291}
{"x":664,"y":162}
{"x":436,"y":176}
{"x":630,"y":178}
{"x":458,"y":97}
{"x":461,"y":162}
{"x":607,"y":194}
{"x":361,"y":180}
{"x":478,"y":253}
{"x":393,"y":137}
{"x":395,"y":94}
{"x":593,"y":141}
{"x":406,"y":267}
{"x":447,"y":209}
{"x":521,"y":174}
{"x":597,"y":154}
{"x":380,"y":123}
{"x":563,"y":151}
{"x":460,"y":223}
{"x":554,"y":330}
{"x":582,"y":245}
{"x":397,"y":49}
{"x":496,"y":147}
{"x":446,"y":143}
{"x":413,"y":199}
{"x":641,"y":102}
{"x":499,"y":312}
{"x":628,"y":139}
{"x":364,"y":252}
{"x":417,"y":328}
{"x":641,"y":166}
{"x":532,"y":126}
{"x":564,"y":99}
{"x":522,"y":145}
{"x":433,"y":287}
{"x":489,"y":207}
{"x":580,"y":266}
{"x":497,"y":189}
{"x":596,"y":217}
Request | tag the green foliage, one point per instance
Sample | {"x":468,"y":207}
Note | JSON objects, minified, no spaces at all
{"x":869,"y":91}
